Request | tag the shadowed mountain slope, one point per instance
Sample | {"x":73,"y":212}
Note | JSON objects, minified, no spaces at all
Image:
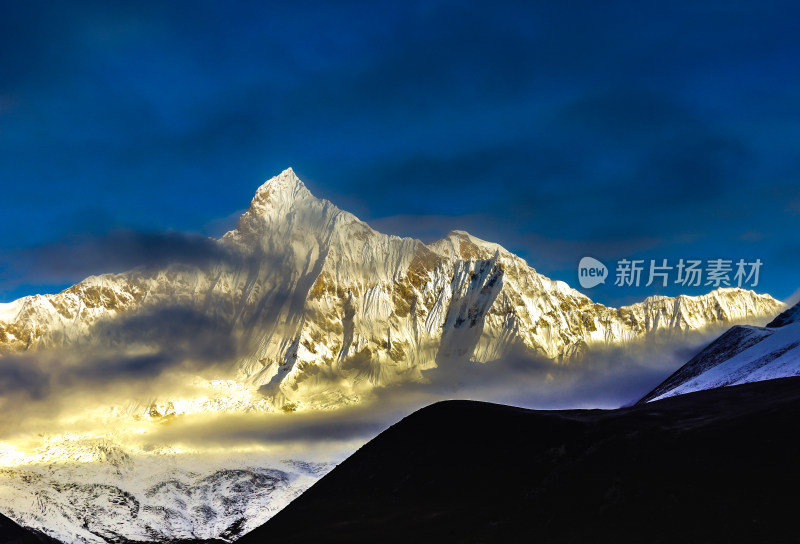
{"x":713,"y":466}
{"x":11,"y":533}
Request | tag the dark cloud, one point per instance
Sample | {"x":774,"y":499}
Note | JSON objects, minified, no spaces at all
{"x":21,"y":375}
{"x":127,"y":356}
{"x":174,"y":329}
{"x":603,"y":167}
{"x":312,"y":429}
{"x":79,"y":255}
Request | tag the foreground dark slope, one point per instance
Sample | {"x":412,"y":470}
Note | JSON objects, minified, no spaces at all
{"x":712,"y":466}
{"x":12,"y":533}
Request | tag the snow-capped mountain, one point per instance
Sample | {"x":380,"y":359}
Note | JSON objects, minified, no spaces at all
{"x":743,"y":354}
{"x":302,"y":306}
{"x":107,"y":493}
{"x":323,"y":308}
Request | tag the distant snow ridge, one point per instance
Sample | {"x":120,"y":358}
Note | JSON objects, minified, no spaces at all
{"x":325,"y":308}
{"x":145,"y":498}
{"x":741,"y":355}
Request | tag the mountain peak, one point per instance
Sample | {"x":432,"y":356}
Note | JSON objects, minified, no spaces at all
{"x":286,"y":186}
{"x":279,"y":192}
{"x":273,"y":200}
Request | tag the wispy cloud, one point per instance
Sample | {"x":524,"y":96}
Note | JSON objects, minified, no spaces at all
{"x":159,"y":351}
{"x":77,"y":256}
{"x":605,"y":379}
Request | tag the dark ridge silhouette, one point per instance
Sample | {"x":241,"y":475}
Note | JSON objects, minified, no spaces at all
{"x":713,"y":466}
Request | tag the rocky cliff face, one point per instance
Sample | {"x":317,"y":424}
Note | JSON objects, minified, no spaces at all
{"x":323,"y":308}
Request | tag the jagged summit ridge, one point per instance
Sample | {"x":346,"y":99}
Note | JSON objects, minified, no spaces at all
{"x":325,"y":308}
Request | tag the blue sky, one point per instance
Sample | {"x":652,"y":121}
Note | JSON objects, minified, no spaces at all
{"x":636,"y":130}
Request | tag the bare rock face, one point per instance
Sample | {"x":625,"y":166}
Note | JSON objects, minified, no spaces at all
{"x":323,"y":308}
